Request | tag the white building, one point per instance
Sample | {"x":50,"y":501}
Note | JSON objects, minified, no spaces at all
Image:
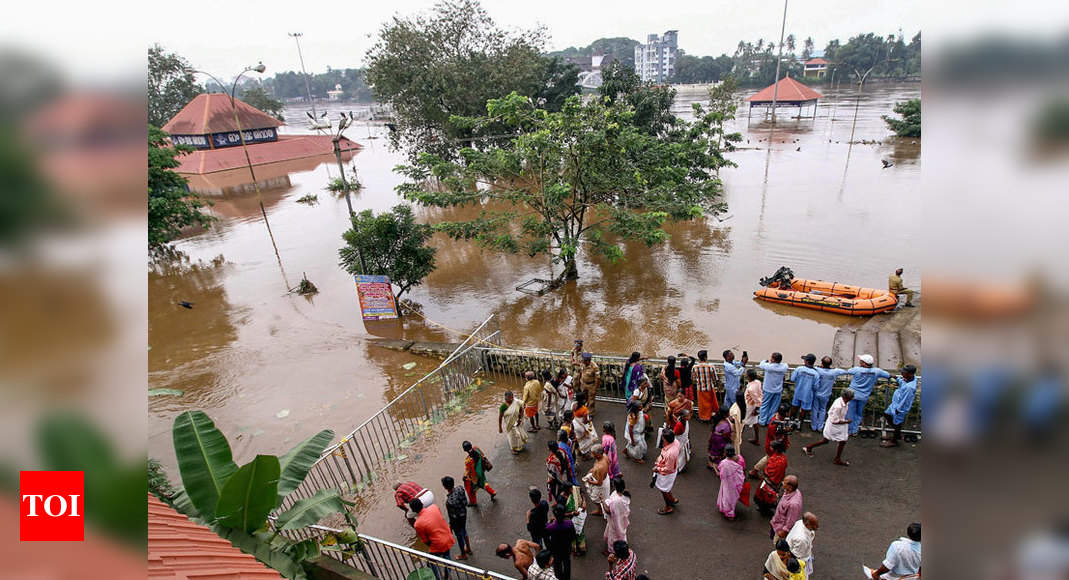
{"x":655,"y":61}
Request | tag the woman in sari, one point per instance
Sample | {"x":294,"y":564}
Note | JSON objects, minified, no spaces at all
{"x":575,"y":508}
{"x":509,"y":420}
{"x":732,"y":472}
{"x":608,"y":443}
{"x":670,"y":379}
{"x":583,"y":432}
{"x":776,"y":563}
{"x":564,"y":444}
{"x":617,"y":513}
{"x":686,"y":376}
{"x":675,"y":407}
{"x":719,"y":438}
{"x":735,"y":414}
{"x":635,"y":435}
{"x":558,"y":469}
{"x":632,"y":371}
{"x":772,"y":475}
{"x":475,"y":474}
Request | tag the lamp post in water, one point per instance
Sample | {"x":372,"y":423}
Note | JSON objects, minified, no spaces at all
{"x":779,"y":58}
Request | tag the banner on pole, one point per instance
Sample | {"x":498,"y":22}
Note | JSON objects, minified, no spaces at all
{"x":376,"y":297}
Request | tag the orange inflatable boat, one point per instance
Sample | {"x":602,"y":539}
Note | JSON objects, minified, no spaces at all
{"x":784,"y":288}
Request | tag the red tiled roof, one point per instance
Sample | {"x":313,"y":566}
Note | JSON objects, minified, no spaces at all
{"x":211,"y":113}
{"x":817,"y":60}
{"x":790,"y":91}
{"x":181,"y":549}
{"x":287,"y":147}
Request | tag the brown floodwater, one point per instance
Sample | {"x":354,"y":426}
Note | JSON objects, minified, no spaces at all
{"x":272,"y":367}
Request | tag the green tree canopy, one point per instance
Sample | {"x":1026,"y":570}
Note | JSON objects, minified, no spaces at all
{"x":170,"y":85}
{"x":572,"y":178}
{"x":452,"y":62}
{"x":171,"y":206}
{"x":390,"y":244}
{"x":910,"y":123}
{"x":258,"y":97}
{"x":651,"y":104}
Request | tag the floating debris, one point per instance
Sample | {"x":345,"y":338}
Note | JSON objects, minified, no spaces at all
{"x":408,"y":366}
{"x":165,"y":392}
{"x":283,"y":413}
{"x":310,"y":199}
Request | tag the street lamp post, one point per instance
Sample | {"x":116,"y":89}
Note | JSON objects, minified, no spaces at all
{"x":779,"y":58}
{"x":307,"y":86}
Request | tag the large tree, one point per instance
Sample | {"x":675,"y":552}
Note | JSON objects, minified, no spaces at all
{"x":171,"y":206}
{"x":170,"y":85}
{"x":652,"y":104}
{"x":257,"y":97}
{"x":910,"y":123}
{"x":390,"y":244}
{"x":448,"y":63}
{"x":573,"y":179}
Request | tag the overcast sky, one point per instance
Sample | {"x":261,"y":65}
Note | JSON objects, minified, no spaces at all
{"x":92,"y":40}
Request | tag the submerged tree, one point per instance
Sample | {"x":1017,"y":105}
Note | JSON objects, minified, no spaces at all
{"x":572,"y":178}
{"x":257,"y":97}
{"x":171,"y":206}
{"x":390,"y":244}
{"x":910,"y":123}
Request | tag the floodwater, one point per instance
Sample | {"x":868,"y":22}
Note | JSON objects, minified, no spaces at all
{"x":272,"y":367}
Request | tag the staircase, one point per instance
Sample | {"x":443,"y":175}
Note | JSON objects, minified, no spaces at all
{"x":893,"y":339}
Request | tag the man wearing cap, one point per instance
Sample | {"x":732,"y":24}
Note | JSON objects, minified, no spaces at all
{"x":589,"y":380}
{"x":771,"y":387}
{"x":805,"y":379}
{"x":901,"y":403}
{"x":865,"y":376}
{"x":895,"y":286}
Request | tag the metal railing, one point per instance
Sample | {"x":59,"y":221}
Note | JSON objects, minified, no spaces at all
{"x":506,"y":362}
{"x":390,"y":561}
{"x":351,"y":464}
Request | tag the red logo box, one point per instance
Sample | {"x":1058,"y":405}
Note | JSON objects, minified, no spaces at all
{"x":51,"y":506}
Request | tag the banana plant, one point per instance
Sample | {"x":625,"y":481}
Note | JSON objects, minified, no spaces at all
{"x":237,"y":500}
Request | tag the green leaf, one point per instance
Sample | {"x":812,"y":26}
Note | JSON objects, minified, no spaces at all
{"x":161,"y":392}
{"x":297,"y":461}
{"x":249,"y":495}
{"x":310,"y":510}
{"x":204,"y":459}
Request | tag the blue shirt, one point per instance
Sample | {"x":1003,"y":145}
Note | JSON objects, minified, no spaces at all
{"x":804,"y":378}
{"x":732,"y":374}
{"x":902,"y":400}
{"x":826,"y":381}
{"x":774,"y":375}
{"x":864,"y":380}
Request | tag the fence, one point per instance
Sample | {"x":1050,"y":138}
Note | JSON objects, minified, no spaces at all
{"x":351,"y":464}
{"x":389,"y":561}
{"x":505,"y":362}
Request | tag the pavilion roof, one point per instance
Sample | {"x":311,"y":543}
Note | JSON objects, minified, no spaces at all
{"x":211,"y":113}
{"x":790,"y":91}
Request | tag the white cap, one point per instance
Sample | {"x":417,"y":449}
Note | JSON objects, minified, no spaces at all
{"x":865,"y":358}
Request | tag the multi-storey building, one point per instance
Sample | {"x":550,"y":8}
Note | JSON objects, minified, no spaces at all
{"x":655,"y":61}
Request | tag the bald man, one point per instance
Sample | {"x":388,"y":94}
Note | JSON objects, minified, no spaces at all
{"x":522,"y":554}
{"x":788,"y":510}
{"x":800,"y":539}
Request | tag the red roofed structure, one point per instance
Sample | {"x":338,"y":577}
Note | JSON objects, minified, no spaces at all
{"x":790,"y":93}
{"x":816,"y":68}
{"x":286,"y":147}
{"x":181,"y":549}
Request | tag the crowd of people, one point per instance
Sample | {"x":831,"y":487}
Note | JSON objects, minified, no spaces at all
{"x":565,"y":399}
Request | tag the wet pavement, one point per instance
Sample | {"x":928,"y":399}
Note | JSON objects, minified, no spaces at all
{"x":861,"y":508}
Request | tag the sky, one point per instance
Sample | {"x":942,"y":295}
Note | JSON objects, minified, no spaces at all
{"x":101,"y":41}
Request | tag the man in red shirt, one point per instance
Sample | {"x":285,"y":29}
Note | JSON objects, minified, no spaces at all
{"x":432,"y":529}
{"x":405,"y":492}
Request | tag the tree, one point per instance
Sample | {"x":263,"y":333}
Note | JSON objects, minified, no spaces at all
{"x":807,"y":49}
{"x":572,"y":179}
{"x":257,"y":97}
{"x":619,"y":47}
{"x":652,"y":104}
{"x":390,"y":244}
{"x":560,"y":81}
{"x":171,"y":206}
{"x":431,"y":68}
{"x":722,"y":107}
{"x":171,"y":85}
{"x":692,"y":69}
{"x":910,"y":123}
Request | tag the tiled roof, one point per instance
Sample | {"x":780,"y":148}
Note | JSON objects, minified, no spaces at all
{"x":181,"y":549}
{"x":817,"y":60}
{"x":211,"y":113}
{"x":790,"y":91}
{"x":287,"y":147}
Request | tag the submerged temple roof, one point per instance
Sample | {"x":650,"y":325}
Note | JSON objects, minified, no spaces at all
{"x":212,"y":113}
{"x":790,"y":91}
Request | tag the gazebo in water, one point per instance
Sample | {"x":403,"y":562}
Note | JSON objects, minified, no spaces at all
{"x":791,"y":93}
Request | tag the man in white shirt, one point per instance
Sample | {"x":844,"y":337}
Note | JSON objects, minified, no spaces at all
{"x":903,"y":559}
{"x":800,"y":539}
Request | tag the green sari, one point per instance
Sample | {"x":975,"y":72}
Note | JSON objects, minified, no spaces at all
{"x":572,"y":507}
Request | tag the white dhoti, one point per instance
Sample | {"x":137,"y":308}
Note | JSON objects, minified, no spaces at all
{"x":665,"y":482}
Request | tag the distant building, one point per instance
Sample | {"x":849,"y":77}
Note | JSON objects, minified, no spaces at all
{"x":336,"y":94}
{"x":655,"y":61}
{"x":816,"y":68}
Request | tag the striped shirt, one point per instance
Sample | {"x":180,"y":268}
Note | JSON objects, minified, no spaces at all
{"x":408,"y":491}
{"x":704,"y":375}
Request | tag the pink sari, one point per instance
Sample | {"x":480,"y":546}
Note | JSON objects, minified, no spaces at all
{"x":608,"y":445}
{"x":732,"y":476}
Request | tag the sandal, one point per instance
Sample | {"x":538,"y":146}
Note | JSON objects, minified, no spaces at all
{"x":808,"y":452}
{"x":665,"y":511}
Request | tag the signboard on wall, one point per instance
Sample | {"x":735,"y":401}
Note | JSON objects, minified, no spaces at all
{"x":376,"y":297}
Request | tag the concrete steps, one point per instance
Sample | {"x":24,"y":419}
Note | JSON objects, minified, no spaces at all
{"x":892,"y":339}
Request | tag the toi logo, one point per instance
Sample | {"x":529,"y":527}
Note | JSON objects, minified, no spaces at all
{"x":51,"y":506}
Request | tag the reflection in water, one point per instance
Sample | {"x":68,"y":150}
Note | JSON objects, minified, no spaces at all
{"x":266,"y":351}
